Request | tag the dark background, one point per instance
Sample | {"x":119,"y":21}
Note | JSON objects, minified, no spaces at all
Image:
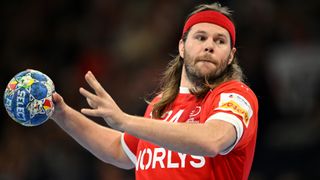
{"x":127,"y":44}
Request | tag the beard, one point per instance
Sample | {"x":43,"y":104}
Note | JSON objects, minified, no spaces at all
{"x":197,"y":77}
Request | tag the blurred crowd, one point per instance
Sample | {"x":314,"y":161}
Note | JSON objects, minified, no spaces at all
{"x":127,"y":44}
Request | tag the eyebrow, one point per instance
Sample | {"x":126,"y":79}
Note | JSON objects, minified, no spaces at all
{"x":204,"y":32}
{"x":200,"y":31}
{"x":222,"y":35}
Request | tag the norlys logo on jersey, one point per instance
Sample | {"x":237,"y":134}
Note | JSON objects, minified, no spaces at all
{"x":161,"y":158}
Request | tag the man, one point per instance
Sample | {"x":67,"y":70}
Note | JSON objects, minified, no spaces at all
{"x":202,"y":124}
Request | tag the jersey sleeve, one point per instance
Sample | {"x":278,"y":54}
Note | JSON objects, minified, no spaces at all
{"x":129,"y":145}
{"x":238,"y":106}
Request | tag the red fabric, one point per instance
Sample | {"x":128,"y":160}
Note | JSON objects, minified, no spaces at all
{"x":213,"y":17}
{"x":157,"y":163}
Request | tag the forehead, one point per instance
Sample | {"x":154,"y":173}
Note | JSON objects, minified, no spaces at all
{"x":208,"y":28}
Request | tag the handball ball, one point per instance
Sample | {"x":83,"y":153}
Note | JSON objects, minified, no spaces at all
{"x":28,"y":98}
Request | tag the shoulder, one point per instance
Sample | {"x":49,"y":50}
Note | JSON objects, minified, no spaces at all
{"x":234,"y":87}
{"x":234,"y":92}
{"x":151,"y":104}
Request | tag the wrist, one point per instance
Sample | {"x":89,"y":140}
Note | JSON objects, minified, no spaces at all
{"x":124,"y":121}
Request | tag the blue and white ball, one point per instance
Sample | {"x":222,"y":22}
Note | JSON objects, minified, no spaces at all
{"x":28,"y":98}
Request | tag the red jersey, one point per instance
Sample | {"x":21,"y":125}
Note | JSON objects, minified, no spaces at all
{"x":232,"y":102}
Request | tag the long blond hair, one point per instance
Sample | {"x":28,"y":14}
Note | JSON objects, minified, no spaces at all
{"x":170,"y":81}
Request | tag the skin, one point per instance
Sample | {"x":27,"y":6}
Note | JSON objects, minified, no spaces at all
{"x":206,"y":52}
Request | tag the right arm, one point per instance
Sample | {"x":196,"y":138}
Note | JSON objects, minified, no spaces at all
{"x":103,"y":142}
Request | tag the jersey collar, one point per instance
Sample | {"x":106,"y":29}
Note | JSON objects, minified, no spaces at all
{"x":184,"y":90}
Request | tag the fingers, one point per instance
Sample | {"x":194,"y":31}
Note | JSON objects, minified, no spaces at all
{"x":91,"y":98}
{"x":91,"y":112}
{"x":94,"y":84}
{"x":87,"y":94}
{"x":100,"y":101}
{"x":91,"y":104}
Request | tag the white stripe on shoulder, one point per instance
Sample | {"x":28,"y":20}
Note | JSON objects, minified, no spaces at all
{"x":128,"y":152}
{"x":235,"y":121}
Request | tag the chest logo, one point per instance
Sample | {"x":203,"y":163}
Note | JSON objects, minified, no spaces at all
{"x":194,"y":115}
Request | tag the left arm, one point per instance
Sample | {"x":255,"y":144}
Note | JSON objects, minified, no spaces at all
{"x":208,"y":139}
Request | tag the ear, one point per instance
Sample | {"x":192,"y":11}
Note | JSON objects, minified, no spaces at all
{"x":232,"y":54}
{"x":181,"y":48}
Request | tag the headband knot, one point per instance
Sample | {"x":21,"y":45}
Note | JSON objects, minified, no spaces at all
{"x":214,"y":17}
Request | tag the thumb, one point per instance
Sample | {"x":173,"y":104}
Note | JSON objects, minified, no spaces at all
{"x":57,"y":98}
{"x":59,"y":106}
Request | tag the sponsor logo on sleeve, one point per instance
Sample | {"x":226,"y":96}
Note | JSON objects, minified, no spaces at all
{"x":237,"y":104}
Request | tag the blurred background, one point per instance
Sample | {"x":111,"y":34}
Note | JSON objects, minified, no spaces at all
{"x":127,"y":44}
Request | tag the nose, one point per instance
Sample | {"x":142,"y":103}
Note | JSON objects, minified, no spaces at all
{"x":209,"y":49}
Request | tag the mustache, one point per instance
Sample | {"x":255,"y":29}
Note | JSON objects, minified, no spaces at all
{"x":205,"y":57}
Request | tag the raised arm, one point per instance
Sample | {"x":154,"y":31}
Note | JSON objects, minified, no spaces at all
{"x":101,"y":141}
{"x":208,"y":139}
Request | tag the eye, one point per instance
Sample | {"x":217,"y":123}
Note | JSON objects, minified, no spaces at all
{"x":200,"y":37}
{"x":220,"y":41}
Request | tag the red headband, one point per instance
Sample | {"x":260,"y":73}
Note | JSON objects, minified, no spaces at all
{"x":213,"y":17}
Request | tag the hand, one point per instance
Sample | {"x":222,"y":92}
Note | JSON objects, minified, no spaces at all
{"x":101,"y":103}
{"x":59,"y":106}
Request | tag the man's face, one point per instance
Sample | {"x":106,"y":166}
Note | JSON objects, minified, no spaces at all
{"x":206,"y":52}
